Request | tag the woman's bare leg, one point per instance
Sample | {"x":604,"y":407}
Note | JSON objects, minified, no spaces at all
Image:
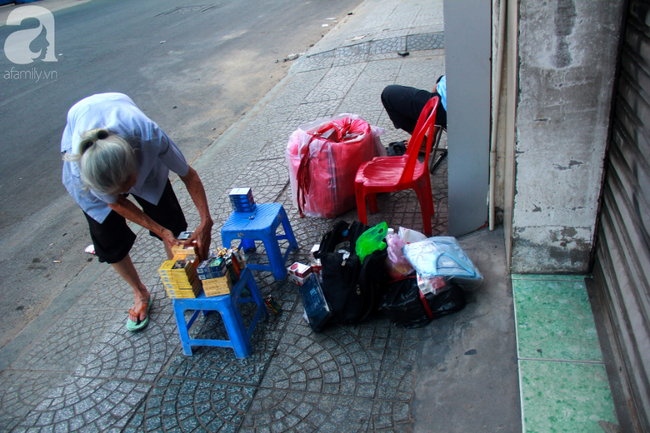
{"x":127,"y":271}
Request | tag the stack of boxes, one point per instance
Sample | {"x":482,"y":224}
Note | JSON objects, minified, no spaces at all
{"x":220,"y":271}
{"x":214,"y":276}
{"x":242,"y":200}
{"x":308,"y":277}
{"x":299,"y":272}
{"x":179,"y":274}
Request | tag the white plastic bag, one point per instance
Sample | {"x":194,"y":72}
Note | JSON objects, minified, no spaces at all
{"x":409,"y":235}
{"x":442,"y":256}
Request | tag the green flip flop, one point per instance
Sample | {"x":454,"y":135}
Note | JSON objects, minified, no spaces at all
{"x":140,"y":324}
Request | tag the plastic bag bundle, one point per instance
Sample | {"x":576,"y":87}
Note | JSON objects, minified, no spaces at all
{"x":397,"y":265}
{"x":408,"y":307}
{"x":442,"y":256}
{"x":409,"y":235}
{"x":323,"y":159}
{"x":371,"y":240}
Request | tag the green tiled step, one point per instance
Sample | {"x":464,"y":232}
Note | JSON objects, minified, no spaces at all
{"x":554,"y":321}
{"x":563,"y":382}
{"x":565,"y":397}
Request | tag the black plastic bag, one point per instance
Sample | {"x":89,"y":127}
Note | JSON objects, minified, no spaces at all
{"x":396,"y":148}
{"x":407,"y":307}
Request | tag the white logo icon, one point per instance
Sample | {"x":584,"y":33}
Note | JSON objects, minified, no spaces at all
{"x":17,"y":44}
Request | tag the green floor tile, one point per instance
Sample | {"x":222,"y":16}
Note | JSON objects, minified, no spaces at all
{"x":547,"y":277}
{"x":554,"y":321}
{"x":565,"y":397}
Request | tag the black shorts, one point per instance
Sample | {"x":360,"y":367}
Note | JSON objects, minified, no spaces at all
{"x":113,"y":238}
{"x":404,"y":104}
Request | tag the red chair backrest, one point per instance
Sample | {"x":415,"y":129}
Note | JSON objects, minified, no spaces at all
{"x":424,"y":126}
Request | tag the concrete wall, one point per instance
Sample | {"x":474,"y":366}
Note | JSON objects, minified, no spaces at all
{"x":567,"y":61}
{"x":499,"y":178}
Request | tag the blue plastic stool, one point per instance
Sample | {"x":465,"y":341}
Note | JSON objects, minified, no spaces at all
{"x":262,"y":225}
{"x":226,"y":305}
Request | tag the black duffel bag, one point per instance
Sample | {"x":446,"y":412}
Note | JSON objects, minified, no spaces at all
{"x":352,"y":289}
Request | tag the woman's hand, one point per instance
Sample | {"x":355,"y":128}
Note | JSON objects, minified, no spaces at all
{"x":169,"y":239}
{"x":202,"y":236}
{"x":203,"y":233}
{"x":133,"y":213}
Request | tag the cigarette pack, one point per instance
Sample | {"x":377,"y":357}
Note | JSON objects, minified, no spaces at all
{"x":313,"y":250}
{"x":238,"y":257}
{"x":182,"y":250}
{"x":185,"y":236}
{"x":242,"y":200}
{"x":181,"y":292}
{"x":299,"y":272}
{"x":217,"y":286}
{"x":316,"y":308}
{"x":193,"y":259}
{"x":179,"y":278}
{"x":214,"y":267}
{"x":317,"y":268}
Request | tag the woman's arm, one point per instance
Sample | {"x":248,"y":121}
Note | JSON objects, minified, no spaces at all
{"x":133,"y":213}
{"x":203,"y":233}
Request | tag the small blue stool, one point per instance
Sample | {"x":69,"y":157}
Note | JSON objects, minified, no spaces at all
{"x":226,"y":305}
{"x":262,"y":225}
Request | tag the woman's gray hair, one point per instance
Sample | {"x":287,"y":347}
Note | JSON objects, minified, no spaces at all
{"x":106,"y":160}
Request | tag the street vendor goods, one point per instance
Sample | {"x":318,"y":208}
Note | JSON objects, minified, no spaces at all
{"x":442,"y":256}
{"x":179,"y":278}
{"x":317,"y":310}
{"x":323,"y":158}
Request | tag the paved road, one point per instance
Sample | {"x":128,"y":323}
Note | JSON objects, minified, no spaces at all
{"x":193,"y":69}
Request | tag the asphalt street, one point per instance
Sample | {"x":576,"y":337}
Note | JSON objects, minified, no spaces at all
{"x":194,"y":70}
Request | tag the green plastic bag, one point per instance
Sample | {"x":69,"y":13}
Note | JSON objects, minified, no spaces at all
{"x":371,"y":240}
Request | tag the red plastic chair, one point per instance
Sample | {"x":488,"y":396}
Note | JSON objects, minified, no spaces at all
{"x":397,"y":173}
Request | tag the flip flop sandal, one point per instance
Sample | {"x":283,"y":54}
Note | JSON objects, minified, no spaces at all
{"x":140,"y":324}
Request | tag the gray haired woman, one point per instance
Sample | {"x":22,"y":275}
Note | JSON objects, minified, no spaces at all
{"x":110,"y":150}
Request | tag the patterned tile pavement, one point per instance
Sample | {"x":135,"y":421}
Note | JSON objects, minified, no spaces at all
{"x":87,"y":373}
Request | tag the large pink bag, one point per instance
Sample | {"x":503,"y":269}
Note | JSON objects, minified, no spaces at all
{"x":323,"y":159}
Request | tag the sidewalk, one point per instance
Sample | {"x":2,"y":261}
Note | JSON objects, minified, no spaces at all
{"x":85,"y":372}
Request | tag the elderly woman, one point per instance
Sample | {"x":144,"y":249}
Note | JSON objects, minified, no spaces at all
{"x":110,"y":150}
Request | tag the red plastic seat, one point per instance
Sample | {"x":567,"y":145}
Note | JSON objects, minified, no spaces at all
{"x":397,"y":173}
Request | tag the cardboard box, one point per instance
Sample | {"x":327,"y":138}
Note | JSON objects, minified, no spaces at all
{"x":183,"y":250}
{"x":313,"y":250}
{"x":214,"y":267}
{"x":242,"y":200}
{"x":217,"y":286}
{"x":317,"y":309}
{"x":179,"y":278}
{"x":317,"y":268}
{"x":299,"y":272}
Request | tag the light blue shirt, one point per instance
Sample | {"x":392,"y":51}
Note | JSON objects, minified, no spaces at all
{"x":156,"y":153}
{"x":441,"y":88}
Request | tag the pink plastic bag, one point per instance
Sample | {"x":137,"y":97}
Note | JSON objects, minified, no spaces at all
{"x":396,"y":264}
{"x":323,"y":159}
